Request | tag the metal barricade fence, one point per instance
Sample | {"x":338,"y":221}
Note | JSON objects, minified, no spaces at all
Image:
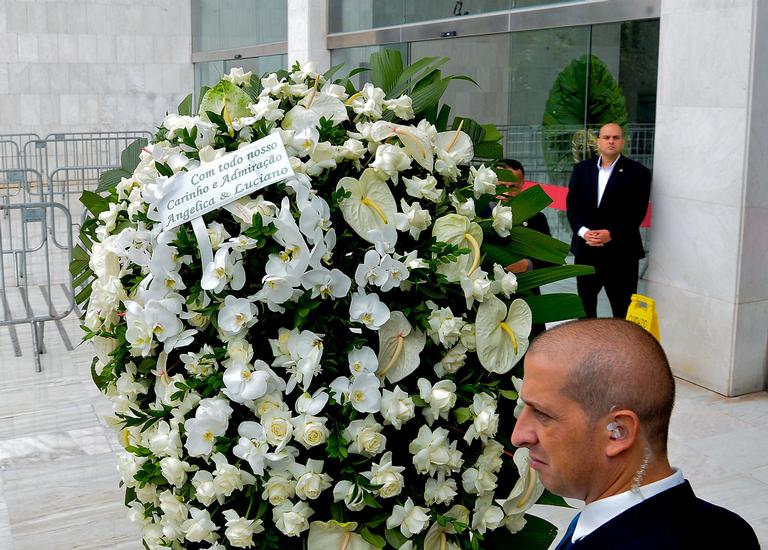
{"x":34,"y":288}
{"x":65,"y":185}
{"x":20,"y":185}
{"x":48,"y":155}
{"x":98,"y":135}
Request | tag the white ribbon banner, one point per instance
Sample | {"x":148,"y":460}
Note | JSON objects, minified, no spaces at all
{"x":216,"y":184}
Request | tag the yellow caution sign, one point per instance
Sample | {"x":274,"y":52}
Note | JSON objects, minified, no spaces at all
{"x":642,"y":311}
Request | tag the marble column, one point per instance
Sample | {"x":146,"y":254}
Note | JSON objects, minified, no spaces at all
{"x":307,"y":30}
{"x":709,"y":240}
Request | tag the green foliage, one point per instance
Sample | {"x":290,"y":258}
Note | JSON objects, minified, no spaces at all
{"x":129,"y":160}
{"x":560,"y":306}
{"x":546,"y":275}
{"x":570,"y":97}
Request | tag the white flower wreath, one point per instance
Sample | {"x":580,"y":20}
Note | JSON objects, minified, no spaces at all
{"x":326,"y":364}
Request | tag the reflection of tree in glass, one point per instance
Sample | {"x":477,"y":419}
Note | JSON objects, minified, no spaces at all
{"x":563,"y":130}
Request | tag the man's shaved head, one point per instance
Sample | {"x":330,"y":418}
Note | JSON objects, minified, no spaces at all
{"x":614,"y":364}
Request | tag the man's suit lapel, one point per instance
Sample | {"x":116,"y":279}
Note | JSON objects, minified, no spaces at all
{"x":591,"y":191}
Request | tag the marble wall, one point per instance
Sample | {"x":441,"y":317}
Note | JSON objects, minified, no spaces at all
{"x":710,"y":217}
{"x":92,"y":65}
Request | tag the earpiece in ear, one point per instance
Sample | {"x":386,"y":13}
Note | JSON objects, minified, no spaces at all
{"x":617,"y":432}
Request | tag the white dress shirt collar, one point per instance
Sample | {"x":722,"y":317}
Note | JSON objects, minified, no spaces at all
{"x":600,"y":512}
{"x":603,"y":175}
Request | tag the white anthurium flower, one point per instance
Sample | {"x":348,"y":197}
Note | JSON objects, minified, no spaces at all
{"x":368,"y":102}
{"x":501,"y":334}
{"x":400,"y":347}
{"x":292,"y":519}
{"x":362,"y":360}
{"x":528,"y":488}
{"x":502,"y":220}
{"x":483,"y":181}
{"x":326,"y":283}
{"x":411,"y":519}
{"x":239,"y":531}
{"x":371,"y":204}
{"x":504,"y":282}
{"x":244,"y":382}
{"x":397,"y":407}
{"x":325,"y":105}
{"x":390,"y":160}
{"x":267,"y":109}
{"x":237,"y":77}
{"x":414,"y":218}
{"x":440,"y":398}
{"x":236,"y":315}
{"x":324,"y":535}
{"x":415,"y":141}
{"x":423,"y":188}
{"x":485,"y":419}
{"x":369,"y":310}
{"x":436,"y":538}
{"x":459,"y":231}
{"x":226,"y":268}
{"x":452,"y":148}
{"x":370,"y":271}
{"x":364,"y":394}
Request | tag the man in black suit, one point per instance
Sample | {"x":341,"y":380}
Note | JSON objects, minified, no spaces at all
{"x":537,"y":222}
{"x":607,"y":201}
{"x":598,"y":397}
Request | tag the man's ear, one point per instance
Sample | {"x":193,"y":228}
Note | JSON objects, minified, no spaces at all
{"x":622,"y":431}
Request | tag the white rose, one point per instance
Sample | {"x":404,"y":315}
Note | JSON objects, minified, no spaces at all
{"x":199,"y":527}
{"x":353,"y":496}
{"x":468,"y":338}
{"x":440,"y":398}
{"x":466,"y":208}
{"x":365,"y":437}
{"x":410,"y":518}
{"x":173,"y":509}
{"x":452,"y":361}
{"x":478,"y":482}
{"x":502,"y":220}
{"x":397,"y":407}
{"x":277,"y":427}
{"x":174,"y":470}
{"x":423,"y":188}
{"x":310,"y":431}
{"x":292,"y":519}
{"x":483,"y":181}
{"x":387,"y":475}
{"x":485,"y":421}
{"x":440,"y":490}
{"x":205,"y":490}
{"x":311,"y":484}
{"x":390,"y":160}
{"x":279,"y":488}
{"x":239,"y":530}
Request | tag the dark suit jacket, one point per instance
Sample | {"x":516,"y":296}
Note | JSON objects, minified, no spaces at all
{"x":621,"y":210}
{"x":674,"y":519}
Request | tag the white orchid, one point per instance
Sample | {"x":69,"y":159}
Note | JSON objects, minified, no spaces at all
{"x":236,"y":315}
{"x":369,"y":310}
{"x":225,"y":269}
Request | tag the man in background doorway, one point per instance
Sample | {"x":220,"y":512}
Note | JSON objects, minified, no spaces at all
{"x":607,"y":201}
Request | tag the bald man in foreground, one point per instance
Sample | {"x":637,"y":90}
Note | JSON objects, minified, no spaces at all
{"x":598,"y":398}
